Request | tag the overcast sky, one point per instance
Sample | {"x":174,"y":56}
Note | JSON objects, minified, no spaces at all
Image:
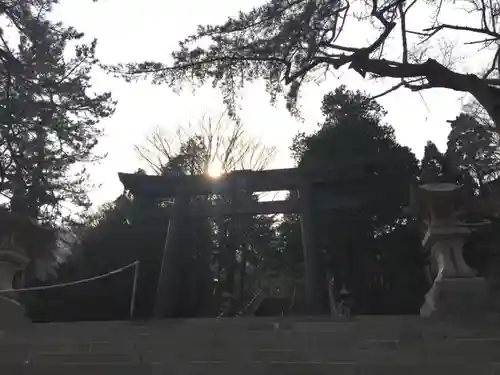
{"x":150,"y":29}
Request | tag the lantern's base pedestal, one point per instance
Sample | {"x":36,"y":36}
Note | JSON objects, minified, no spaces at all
{"x":459,"y":297}
{"x":12,"y":315}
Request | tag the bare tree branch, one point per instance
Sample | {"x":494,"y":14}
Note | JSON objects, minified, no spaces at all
{"x":434,"y":30}
{"x":226,"y":145}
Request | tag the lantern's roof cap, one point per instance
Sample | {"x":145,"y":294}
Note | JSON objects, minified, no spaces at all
{"x":35,"y":239}
{"x":444,"y":187}
{"x":12,"y":221}
{"x":421,"y":195}
{"x":440,"y":191}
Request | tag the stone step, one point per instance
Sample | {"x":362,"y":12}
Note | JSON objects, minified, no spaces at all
{"x":249,"y":336}
{"x":371,"y":345}
{"x":375,"y":327}
{"x":46,"y":358}
{"x":276,"y":368}
{"x":78,"y":369}
{"x":451,"y":353}
{"x":282,"y":340}
{"x":270,"y":340}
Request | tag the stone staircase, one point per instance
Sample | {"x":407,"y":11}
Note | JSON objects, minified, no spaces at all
{"x":363,"y":345}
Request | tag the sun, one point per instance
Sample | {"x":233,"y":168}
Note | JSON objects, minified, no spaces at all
{"x":215,"y":170}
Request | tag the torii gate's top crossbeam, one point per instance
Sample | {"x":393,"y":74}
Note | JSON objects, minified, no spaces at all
{"x":250,"y":181}
{"x":300,"y":180}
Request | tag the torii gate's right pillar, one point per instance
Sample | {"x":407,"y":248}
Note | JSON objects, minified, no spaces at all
{"x":314,"y":283}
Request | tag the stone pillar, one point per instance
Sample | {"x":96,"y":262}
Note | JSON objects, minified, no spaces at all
{"x":22,"y":240}
{"x":456,"y":290}
{"x":314,"y":284}
{"x":12,"y":260}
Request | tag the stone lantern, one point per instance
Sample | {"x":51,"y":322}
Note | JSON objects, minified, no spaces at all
{"x":456,"y":289}
{"x":22,"y":240}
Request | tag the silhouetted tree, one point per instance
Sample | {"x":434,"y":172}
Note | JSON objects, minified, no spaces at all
{"x":49,"y":118}
{"x":291,"y":42}
{"x":360,"y":246}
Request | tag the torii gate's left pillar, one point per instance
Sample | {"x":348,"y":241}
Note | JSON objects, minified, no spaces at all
{"x":169,"y":280}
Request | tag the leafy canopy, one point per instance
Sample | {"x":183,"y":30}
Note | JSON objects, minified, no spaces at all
{"x":354,"y":129}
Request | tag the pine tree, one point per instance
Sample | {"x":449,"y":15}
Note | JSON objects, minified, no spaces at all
{"x":48,"y":114}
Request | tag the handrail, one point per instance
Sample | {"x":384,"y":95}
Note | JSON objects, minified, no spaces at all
{"x":331,"y":298}
{"x":292,"y":302}
{"x":257,"y":293}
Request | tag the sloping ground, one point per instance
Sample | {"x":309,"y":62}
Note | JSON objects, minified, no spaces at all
{"x":365,"y":345}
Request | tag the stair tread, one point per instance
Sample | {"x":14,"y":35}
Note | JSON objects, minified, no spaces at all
{"x":367,"y":345}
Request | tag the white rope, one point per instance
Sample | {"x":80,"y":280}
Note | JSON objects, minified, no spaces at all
{"x":133,"y":264}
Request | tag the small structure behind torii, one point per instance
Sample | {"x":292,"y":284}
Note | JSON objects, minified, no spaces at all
{"x":305,"y":186}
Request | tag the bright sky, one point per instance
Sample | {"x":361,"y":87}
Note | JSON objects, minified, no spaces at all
{"x":150,"y":29}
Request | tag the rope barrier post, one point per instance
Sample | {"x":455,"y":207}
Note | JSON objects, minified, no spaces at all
{"x":134,"y":290}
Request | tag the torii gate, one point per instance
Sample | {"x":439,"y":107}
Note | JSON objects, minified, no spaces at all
{"x":302,"y":183}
